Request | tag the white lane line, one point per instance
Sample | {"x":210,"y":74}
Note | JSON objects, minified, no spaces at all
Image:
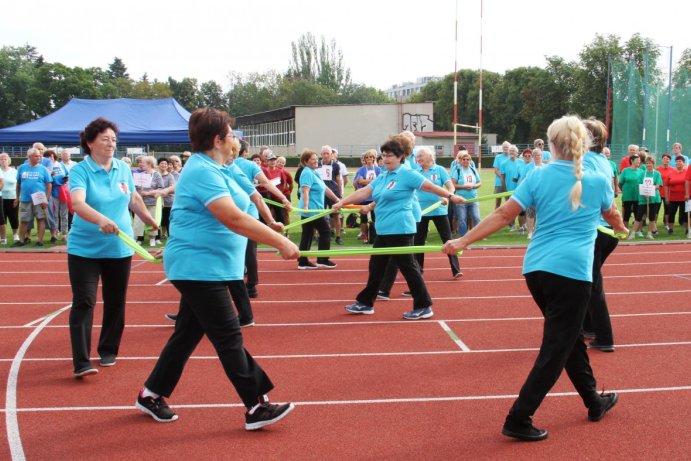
{"x":458,"y":398}
{"x":13,"y":438}
{"x":361,"y":354}
{"x":52,"y":314}
{"x":160,"y":283}
{"x":453,"y":336}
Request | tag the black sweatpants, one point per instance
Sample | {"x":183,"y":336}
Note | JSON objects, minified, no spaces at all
{"x":441,"y":222}
{"x":406,"y":263}
{"x":321,"y":225}
{"x":251,"y":273}
{"x":206,"y":309}
{"x":597,"y":319}
{"x":563,"y":302}
{"x":84,"y":274}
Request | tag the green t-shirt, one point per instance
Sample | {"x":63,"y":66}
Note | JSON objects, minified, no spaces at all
{"x":629,"y":179}
{"x":657,"y":181}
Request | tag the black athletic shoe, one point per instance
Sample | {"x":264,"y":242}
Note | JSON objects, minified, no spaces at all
{"x":265,"y":414}
{"x":588,"y":334}
{"x":307,"y":266}
{"x":18,"y":244}
{"x":38,"y":244}
{"x":526,"y":432}
{"x":608,"y":401}
{"x":247,"y":324}
{"x":107,"y":361}
{"x":407,"y":293}
{"x":171,"y":317}
{"x":85,"y":372}
{"x":157,"y":408}
{"x":604,"y":347}
{"x":383,"y":295}
{"x":328,"y":264}
{"x":252,"y":292}
{"x":53,"y":240}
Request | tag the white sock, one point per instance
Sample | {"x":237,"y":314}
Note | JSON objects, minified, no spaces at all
{"x":147,"y":393}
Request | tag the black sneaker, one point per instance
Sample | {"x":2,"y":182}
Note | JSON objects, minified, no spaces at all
{"x":18,"y":244}
{"x":588,"y":334}
{"x":359,"y":308}
{"x":418,"y":314}
{"x":526,"y":431}
{"x":85,"y":372}
{"x":53,"y":240}
{"x":265,"y":414}
{"x":252,"y":292}
{"x":604,"y":347}
{"x":407,"y":293}
{"x":339,"y":241}
{"x":157,"y":408}
{"x":608,"y":401}
{"x":27,"y":241}
{"x":383,"y":295}
{"x":247,"y":324}
{"x":171,"y":317}
{"x":327,"y":264}
{"x":107,"y":361}
{"x":38,"y":244}
{"x":306,"y":266}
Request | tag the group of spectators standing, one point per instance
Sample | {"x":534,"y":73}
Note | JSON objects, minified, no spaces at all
{"x":37,"y":192}
{"x":671,"y":183}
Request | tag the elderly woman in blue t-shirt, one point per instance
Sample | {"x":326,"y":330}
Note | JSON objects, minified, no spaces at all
{"x":558,"y":269}
{"x":392,"y":192}
{"x":210,"y":227}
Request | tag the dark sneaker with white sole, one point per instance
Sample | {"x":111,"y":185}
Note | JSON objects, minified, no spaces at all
{"x":265,"y":414}
{"x":383,"y":295}
{"x":171,"y":317}
{"x":418,"y":314}
{"x":85,"y":372}
{"x":407,"y":293}
{"x":359,"y":308}
{"x":600,"y":346}
{"x":306,"y":266}
{"x":608,"y":401}
{"x":526,"y":432}
{"x":107,"y":361}
{"x":327,"y":264}
{"x":157,"y":408}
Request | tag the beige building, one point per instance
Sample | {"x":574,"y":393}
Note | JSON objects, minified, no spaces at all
{"x":351,"y":129}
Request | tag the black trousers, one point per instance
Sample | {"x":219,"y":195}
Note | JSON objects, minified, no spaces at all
{"x":206,"y":309}
{"x":441,"y":222}
{"x":279,"y":213}
{"x":251,"y":274}
{"x":321,"y":225}
{"x":84,"y":274}
{"x":630,"y":208}
{"x":407,"y":265}
{"x":563,"y":302}
{"x":11,"y":212}
{"x":597,"y":319}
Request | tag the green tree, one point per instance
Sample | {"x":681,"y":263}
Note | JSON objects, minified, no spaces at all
{"x":362,"y":94}
{"x":117,"y":69}
{"x":17,"y":70}
{"x":318,"y":62}
{"x":212,"y":95}
{"x":253,"y":93}
{"x":186,"y":92}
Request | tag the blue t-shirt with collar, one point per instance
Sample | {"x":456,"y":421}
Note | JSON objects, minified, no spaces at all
{"x":598,"y":164}
{"x":564,"y":241}
{"x":109,"y":193}
{"x":499,"y":161}
{"x":245,"y":184}
{"x":200,"y":247}
{"x":438,"y":176}
{"x":317,"y":188}
{"x":463,"y":177}
{"x":393,"y":193}
{"x":510,"y":170}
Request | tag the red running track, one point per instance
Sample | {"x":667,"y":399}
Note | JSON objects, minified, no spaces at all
{"x":366,"y":387}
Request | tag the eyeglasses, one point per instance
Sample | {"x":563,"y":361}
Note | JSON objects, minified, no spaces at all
{"x":388,"y":154}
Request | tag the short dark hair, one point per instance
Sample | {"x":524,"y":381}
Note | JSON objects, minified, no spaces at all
{"x":244,"y":147}
{"x":205,"y":124}
{"x":50,"y":153}
{"x":680,"y":157}
{"x":93,"y":129}
{"x":667,"y":155}
{"x":633,"y":157}
{"x":306,"y":155}
{"x":394,"y":146}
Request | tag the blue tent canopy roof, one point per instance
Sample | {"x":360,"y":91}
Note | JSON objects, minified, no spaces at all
{"x":140,"y":121}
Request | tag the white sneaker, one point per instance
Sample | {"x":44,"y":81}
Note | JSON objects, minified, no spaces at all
{"x":688,"y":235}
{"x":16,"y":238}
{"x":158,"y":242}
{"x":3,"y":241}
{"x":530,"y":235}
{"x":632,"y":235}
{"x":649,"y":236}
{"x":152,"y":242}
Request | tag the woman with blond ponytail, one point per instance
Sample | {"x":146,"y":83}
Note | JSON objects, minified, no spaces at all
{"x":569,"y":201}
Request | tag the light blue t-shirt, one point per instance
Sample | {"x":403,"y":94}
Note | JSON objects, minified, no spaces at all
{"x":510,"y":171}
{"x":317,"y":188}
{"x":463,"y":177}
{"x":546,"y":156}
{"x":200,"y":247}
{"x":109,"y":193}
{"x":249,"y":168}
{"x":9,"y":190}
{"x":564,"y":241}
{"x":499,"y":160}
{"x":417,"y":209}
{"x":438,"y":176}
{"x":245,"y":184}
{"x":393,"y":193}
{"x":598,"y":164}
{"x":523,"y":169}
{"x":33,"y":179}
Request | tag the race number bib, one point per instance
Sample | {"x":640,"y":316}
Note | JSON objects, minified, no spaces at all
{"x":469,"y":179}
{"x":325,"y":172}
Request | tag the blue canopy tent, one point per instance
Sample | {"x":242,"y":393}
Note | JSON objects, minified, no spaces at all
{"x":140,"y":121}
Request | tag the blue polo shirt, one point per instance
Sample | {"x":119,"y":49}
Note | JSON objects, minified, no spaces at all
{"x":417,"y":209}
{"x":564,"y":242}
{"x":499,"y":160}
{"x":438,"y":176}
{"x":245,"y":184}
{"x":463,"y":177}
{"x":510,"y":170}
{"x":317,"y":188}
{"x":200,"y":247}
{"x":33,"y":179}
{"x":248,"y":167}
{"x":393,"y":191}
{"x":109,"y":193}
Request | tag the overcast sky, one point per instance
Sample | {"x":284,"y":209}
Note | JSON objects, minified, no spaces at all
{"x":384,"y":42}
